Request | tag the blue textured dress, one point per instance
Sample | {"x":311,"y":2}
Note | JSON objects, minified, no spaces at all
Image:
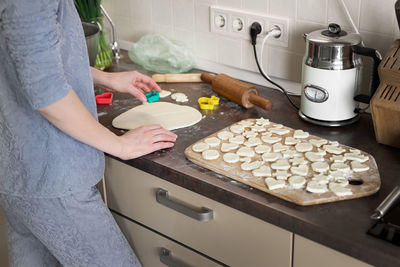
{"x":53,"y":212}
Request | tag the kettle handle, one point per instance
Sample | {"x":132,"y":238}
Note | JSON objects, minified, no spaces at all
{"x":374,"y":54}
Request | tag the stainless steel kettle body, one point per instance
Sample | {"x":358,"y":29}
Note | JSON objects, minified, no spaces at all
{"x":331,"y":75}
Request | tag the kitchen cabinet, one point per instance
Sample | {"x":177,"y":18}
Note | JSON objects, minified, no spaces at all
{"x":220,"y":232}
{"x":155,"y":250}
{"x":228,"y":236}
{"x":310,"y":254}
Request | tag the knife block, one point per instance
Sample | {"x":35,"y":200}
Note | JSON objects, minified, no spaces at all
{"x":385,"y":104}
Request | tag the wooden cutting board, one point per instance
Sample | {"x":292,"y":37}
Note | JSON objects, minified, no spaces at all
{"x":370,"y":179}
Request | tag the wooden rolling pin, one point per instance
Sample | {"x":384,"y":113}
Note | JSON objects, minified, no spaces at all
{"x":177,"y":78}
{"x":235,"y":90}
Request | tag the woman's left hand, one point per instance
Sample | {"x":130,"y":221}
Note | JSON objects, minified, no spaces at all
{"x":132,"y":82}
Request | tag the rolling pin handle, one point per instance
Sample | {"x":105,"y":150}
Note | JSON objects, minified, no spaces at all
{"x":260,"y":102}
{"x":207,"y":77}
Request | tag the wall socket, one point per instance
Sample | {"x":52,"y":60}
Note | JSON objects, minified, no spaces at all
{"x":236,"y":23}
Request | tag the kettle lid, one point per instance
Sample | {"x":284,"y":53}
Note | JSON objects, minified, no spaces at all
{"x":334,"y":35}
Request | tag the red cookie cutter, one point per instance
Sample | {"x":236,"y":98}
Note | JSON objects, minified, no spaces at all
{"x":105,"y":98}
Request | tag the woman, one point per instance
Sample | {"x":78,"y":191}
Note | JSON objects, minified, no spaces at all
{"x":52,"y":145}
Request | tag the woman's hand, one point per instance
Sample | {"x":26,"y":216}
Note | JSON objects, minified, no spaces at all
{"x":144,"y":140}
{"x":132,"y":82}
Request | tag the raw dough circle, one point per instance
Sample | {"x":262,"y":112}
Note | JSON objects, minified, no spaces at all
{"x":274,"y":184}
{"x":315,"y":187}
{"x":281,"y":164}
{"x":321,"y":179}
{"x":269,"y":157}
{"x":230,"y":157}
{"x":263,"y":171}
{"x":248,"y":166}
{"x":261,"y":149}
{"x":359,"y":167}
{"x":237,"y":128}
{"x":253,"y":141}
{"x":245,"y":152}
{"x":225,"y":147}
{"x":320,"y":166}
{"x":304,"y":147}
{"x":164,"y":93}
{"x":278,"y":131}
{"x":262,"y":121}
{"x":170,"y":116}
{"x":339,"y":166}
{"x":339,"y":189}
{"x":224,"y":135}
{"x":296,"y":181}
{"x":238,"y":139}
{"x":210,"y":154}
{"x":300,"y":134}
{"x":200,"y":147}
{"x":179,"y":97}
{"x":281,"y":174}
{"x":271,"y":139}
{"x":212,"y":141}
{"x":299,"y":170}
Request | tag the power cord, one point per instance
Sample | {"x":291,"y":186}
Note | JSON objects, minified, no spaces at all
{"x":255,"y":30}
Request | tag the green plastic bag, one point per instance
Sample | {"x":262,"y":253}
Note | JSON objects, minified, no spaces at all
{"x":156,"y":53}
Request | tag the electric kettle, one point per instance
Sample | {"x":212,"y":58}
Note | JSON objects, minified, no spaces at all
{"x":331,"y":76}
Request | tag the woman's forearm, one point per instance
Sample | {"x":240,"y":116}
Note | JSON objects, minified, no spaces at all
{"x":72,"y":117}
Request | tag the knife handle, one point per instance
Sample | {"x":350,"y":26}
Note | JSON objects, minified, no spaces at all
{"x":260,"y":102}
{"x":177,"y":78}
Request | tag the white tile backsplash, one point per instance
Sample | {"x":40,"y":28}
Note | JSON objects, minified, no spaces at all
{"x":141,"y":11}
{"x":337,"y":15}
{"x":202,"y":17}
{"x":183,"y":14}
{"x":162,"y":11}
{"x":256,"y":6}
{"x":188,"y":21}
{"x":283,"y":8}
{"x":377,"y":16}
{"x":229,"y":51}
{"x":312,"y":10}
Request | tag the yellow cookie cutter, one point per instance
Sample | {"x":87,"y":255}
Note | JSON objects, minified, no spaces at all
{"x":208,"y":102}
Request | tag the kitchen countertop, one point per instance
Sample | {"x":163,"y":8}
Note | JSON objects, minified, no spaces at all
{"x":339,"y":225}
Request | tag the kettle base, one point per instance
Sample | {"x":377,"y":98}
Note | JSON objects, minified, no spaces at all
{"x":329,"y":123}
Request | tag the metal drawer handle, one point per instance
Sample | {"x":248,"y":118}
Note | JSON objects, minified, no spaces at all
{"x":204,"y":215}
{"x":167,"y":259}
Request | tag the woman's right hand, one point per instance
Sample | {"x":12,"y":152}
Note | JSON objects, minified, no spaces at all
{"x":145,"y":140}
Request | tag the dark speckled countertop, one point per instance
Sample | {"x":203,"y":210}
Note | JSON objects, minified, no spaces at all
{"x":340,"y":225}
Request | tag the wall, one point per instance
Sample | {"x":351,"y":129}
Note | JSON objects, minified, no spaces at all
{"x":188,"y":21}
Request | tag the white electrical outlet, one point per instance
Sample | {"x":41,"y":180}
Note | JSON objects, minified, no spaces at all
{"x":237,"y":24}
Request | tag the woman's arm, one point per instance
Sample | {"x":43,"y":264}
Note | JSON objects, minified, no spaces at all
{"x":71,"y":116}
{"x":132,"y":82}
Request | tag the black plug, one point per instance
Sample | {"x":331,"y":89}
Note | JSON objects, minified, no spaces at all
{"x":255,"y":30}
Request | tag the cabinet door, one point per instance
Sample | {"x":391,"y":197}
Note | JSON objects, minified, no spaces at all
{"x":154,"y":250}
{"x":230,"y":236}
{"x":311,"y":254}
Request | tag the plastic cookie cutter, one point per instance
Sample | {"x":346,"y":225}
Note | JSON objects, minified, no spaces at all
{"x":105,"y":98}
{"x":152,"y":96}
{"x":208,"y":102}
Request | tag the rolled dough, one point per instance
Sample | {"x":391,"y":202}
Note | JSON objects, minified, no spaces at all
{"x":170,"y":116}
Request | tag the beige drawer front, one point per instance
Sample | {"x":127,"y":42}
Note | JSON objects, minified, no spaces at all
{"x":310,"y":254}
{"x":148,"y":246}
{"x":231,"y":237}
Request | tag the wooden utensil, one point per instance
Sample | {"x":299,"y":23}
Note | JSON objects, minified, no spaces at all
{"x":177,"y":78}
{"x":361,"y":183}
{"x":235,"y":90}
